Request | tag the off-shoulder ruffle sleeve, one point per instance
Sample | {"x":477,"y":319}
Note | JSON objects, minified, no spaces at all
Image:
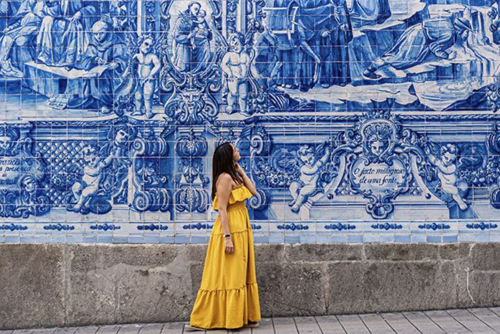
{"x":238,"y":194}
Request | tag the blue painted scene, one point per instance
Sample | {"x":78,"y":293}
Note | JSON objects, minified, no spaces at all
{"x":358,"y":120}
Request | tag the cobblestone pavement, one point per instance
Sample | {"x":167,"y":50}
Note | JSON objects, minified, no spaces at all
{"x":477,"y":320}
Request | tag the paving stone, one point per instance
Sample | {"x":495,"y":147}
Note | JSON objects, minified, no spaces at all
{"x":44,"y":331}
{"x":66,"y":330}
{"x":423,"y":323}
{"x":284,"y":326}
{"x":22,"y":331}
{"x":108,"y":330}
{"x":470,"y":321}
{"x":446,"y":322}
{"x":130,"y":329}
{"x":87,"y":330}
{"x":488,"y":317}
{"x":330,"y":324}
{"x":241,"y":331}
{"x":399,"y":323}
{"x":266,"y":327}
{"x":173,"y":328}
{"x":353,"y":324}
{"x":495,"y":310}
{"x":376,"y":324}
{"x":151,"y":329}
{"x":307,"y":325}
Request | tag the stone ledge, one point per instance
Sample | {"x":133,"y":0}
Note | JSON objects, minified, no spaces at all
{"x":75,"y":285}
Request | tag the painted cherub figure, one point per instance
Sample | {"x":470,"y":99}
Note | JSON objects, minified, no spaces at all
{"x":93,"y":173}
{"x":148,"y":67}
{"x":447,"y":173}
{"x":236,"y":65}
{"x":309,"y":174}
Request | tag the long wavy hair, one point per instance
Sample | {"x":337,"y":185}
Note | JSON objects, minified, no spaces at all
{"x":223,"y":163}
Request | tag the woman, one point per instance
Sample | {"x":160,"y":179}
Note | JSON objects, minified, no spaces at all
{"x":228,"y":296}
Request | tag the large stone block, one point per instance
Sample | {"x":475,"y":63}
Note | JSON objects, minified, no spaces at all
{"x":123,"y":283}
{"x":485,"y":256}
{"x":288,"y":289}
{"x":384,"y":286}
{"x":401,"y":252}
{"x":345,"y":289}
{"x":324,"y":252}
{"x":32,"y":285}
{"x":409,"y":286}
{"x":459,"y":251}
{"x":270,"y":253}
{"x":483,"y":288}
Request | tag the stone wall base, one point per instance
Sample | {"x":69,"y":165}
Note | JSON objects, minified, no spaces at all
{"x":75,"y":285}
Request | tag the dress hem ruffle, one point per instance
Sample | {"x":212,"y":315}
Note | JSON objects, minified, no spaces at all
{"x":210,"y":299}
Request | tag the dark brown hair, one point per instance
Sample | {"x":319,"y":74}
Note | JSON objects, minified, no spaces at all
{"x":223,"y":163}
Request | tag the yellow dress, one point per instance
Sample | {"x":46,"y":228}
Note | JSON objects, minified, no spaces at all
{"x":228,"y":296}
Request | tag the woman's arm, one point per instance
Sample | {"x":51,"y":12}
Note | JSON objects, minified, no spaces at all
{"x":224,"y":188}
{"x":246,"y":180}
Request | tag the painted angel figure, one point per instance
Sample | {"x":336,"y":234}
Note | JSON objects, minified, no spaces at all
{"x":307,"y":185}
{"x":88,"y":187}
{"x":148,"y":65}
{"x":236,"y":65}
{"x":447,"y":173}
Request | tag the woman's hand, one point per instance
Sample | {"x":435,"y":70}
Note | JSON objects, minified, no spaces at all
{"x":228,"y":243}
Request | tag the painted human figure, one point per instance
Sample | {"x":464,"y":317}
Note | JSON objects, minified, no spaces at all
{"x":201,"y":27}
{"x":184,"y":32}
{"x":9,"y":141}
{"x":369,"y":12}
{"x":495,"y":24}
{"x":201,"y":42}
{"x":236,"y":65}
{"x":283,"y":69}
{"x":7,"y":10}
{"x":447,"y":173}
{"x":309,"y":175}
{"x":94,"y":166}
{"x":432,"y":36}
{"x":23,"y":28}
{"x":65,"y":31}
{"x":120,"y":138}
{"x":147,"y":68}
{"x":103,"y":50}
{"x":334,"y":48}
{"x":27,"y":191}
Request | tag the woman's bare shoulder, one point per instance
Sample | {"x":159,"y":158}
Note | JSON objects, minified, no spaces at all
{"x":224,"y":179}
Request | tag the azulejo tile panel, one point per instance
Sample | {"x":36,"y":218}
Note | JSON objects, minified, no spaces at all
{"x":359,"y":120}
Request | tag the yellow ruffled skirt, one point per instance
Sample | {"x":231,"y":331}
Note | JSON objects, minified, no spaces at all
{"x":228,"y":296}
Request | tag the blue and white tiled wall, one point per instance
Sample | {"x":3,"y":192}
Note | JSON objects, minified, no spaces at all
{"x":359,"y":120}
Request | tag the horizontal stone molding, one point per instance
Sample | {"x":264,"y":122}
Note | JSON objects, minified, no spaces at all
{"x":75,"y":285}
